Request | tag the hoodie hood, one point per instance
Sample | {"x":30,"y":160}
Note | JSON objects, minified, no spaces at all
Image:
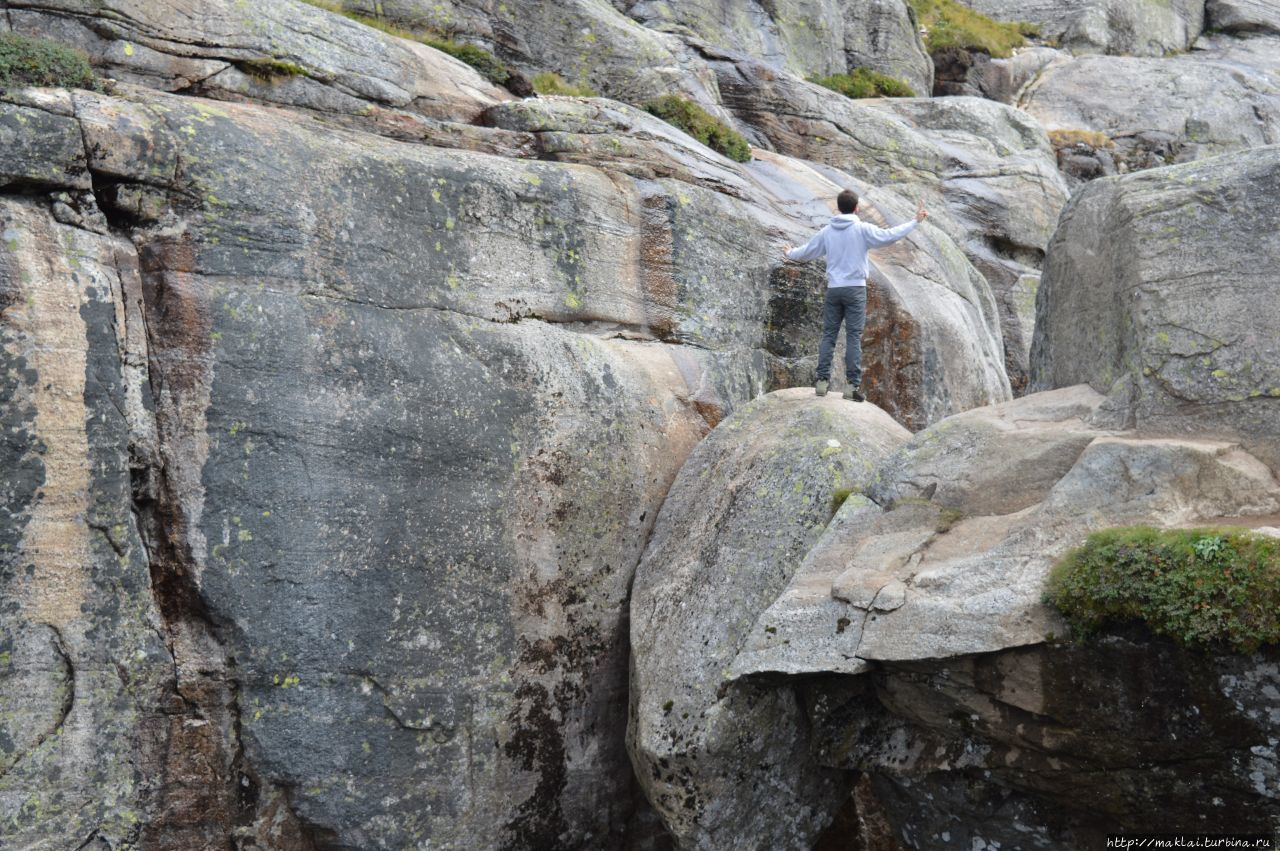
{"x":844,"y":221}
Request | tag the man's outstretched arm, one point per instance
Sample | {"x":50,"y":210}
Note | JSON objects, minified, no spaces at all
{"x":811,"y":250}
{"x":877,"y":237}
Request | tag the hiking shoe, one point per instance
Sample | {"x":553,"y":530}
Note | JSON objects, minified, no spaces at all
{"x":854,"y":394}
{"x":820,"y":388}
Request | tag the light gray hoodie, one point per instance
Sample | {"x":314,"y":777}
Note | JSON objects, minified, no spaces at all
{"x":845,"y":243}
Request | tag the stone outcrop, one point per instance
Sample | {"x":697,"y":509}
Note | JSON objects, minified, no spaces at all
{"x":87,"y":687}
{"x":752,"y":499}
{"x":927,"y":660}
{"x":632,"y":51}
{"x":342,"y":391}
{"x":393,"y":423}
{"x":986,"y":170}
{"x":1152,"y":295}
{"x":808,"y":39}
{"x":1243,"y":16}
{"x":1221,"y":97}
{"x":1135,"y":27}
{"x":287,"y":52}
{"x":1054,"y":746}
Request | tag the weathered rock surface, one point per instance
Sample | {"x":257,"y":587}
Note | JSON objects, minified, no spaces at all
{"x":806,"y":38}
{"x":1221,"y":98}
{"x":1001,"y":79}
{"x":749,"y":503}
{"x":84,"y":677}
{"x":928,"y":659}
{"x":986,"y":170}
{"x":1054,"y":746}
{"x":933,"y":343}
{"x":1137,"y":27}
{"x":338,"y":324}
{"x":999,"y":182}
{"x":225,"y":49}
{"x":632,"y":51}
{"x":1243,"y":16}
{"x":1153,"y":295}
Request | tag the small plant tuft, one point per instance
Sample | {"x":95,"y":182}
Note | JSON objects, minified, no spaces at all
{"x":838,"y":499}
{"x":271,"y":69}
{"x":550,"y":83}
{"x":947,"y":520}
{"x":1068,"y":138}
{"x":701,"y":125}
{"x":1201,"y":587}
{"x":865,"y":83}
{"x":477,"y":57}
{"x":950,"y":24}
{"x":28,"y":61}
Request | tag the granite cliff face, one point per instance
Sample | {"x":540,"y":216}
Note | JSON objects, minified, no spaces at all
{"x":391,"y":460}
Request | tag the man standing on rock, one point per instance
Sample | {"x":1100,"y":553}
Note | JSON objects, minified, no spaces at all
{"x":845,"y":242}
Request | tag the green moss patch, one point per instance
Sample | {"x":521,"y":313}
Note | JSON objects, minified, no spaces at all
{"x":477,"y":57}
{"x":27,"y":61}
{"x":1201,"y":587}
{"x":865,"y":83}
{"x":548,"y":83}
{"x":701,"y":125}
{"x":271,"y":70}
{"x":950,"y":24}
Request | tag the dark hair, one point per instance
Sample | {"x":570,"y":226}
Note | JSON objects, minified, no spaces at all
{"x":847,"y":201}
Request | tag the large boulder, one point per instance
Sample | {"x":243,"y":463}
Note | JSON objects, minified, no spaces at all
{"x":405,"y":416}
{"x":1221,"y":97}
{"x":928,"y":659}
{"x":287,"y":52}
{"x":806,"y":38}
{"x":1000,"y":183}
{"x":1243,"y":16}
{"x":933,"y":342}
{"x":637,"y":50}
{"x":1136,"y":27}
{"x":1151,"y":295}
{"x":986,"y":170}
{"x":728,"y":765}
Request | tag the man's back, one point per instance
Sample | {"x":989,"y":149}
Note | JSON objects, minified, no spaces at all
{"x":845,"y":242}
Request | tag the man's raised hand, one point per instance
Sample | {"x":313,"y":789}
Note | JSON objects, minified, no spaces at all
{"x":921,"y":212}
{"x":786,"y":249}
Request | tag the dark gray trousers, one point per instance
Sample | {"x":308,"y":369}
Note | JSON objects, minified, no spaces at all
{"x":847,"y":305}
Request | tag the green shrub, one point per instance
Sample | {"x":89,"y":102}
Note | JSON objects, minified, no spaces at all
{"x":27,"y":61}
{"x":950,"y":24}
{"x":549,"y":83}
{"x":477,"y":57}
{"x":701,"y":125}
{"x":1198,"y":586}
{"x":865,"y":83}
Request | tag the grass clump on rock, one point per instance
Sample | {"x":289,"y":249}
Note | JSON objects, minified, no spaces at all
{"x":701,"y":125}
{"x":477,"y":57}
{"x":865,"y":83}
{"x":1067,"y":138}
{"x":550,"y":83}
{"x":1201,"y":587}
{"x":27,"y":61}
{"x":950,"y":24}
{"x":272,"y":69}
